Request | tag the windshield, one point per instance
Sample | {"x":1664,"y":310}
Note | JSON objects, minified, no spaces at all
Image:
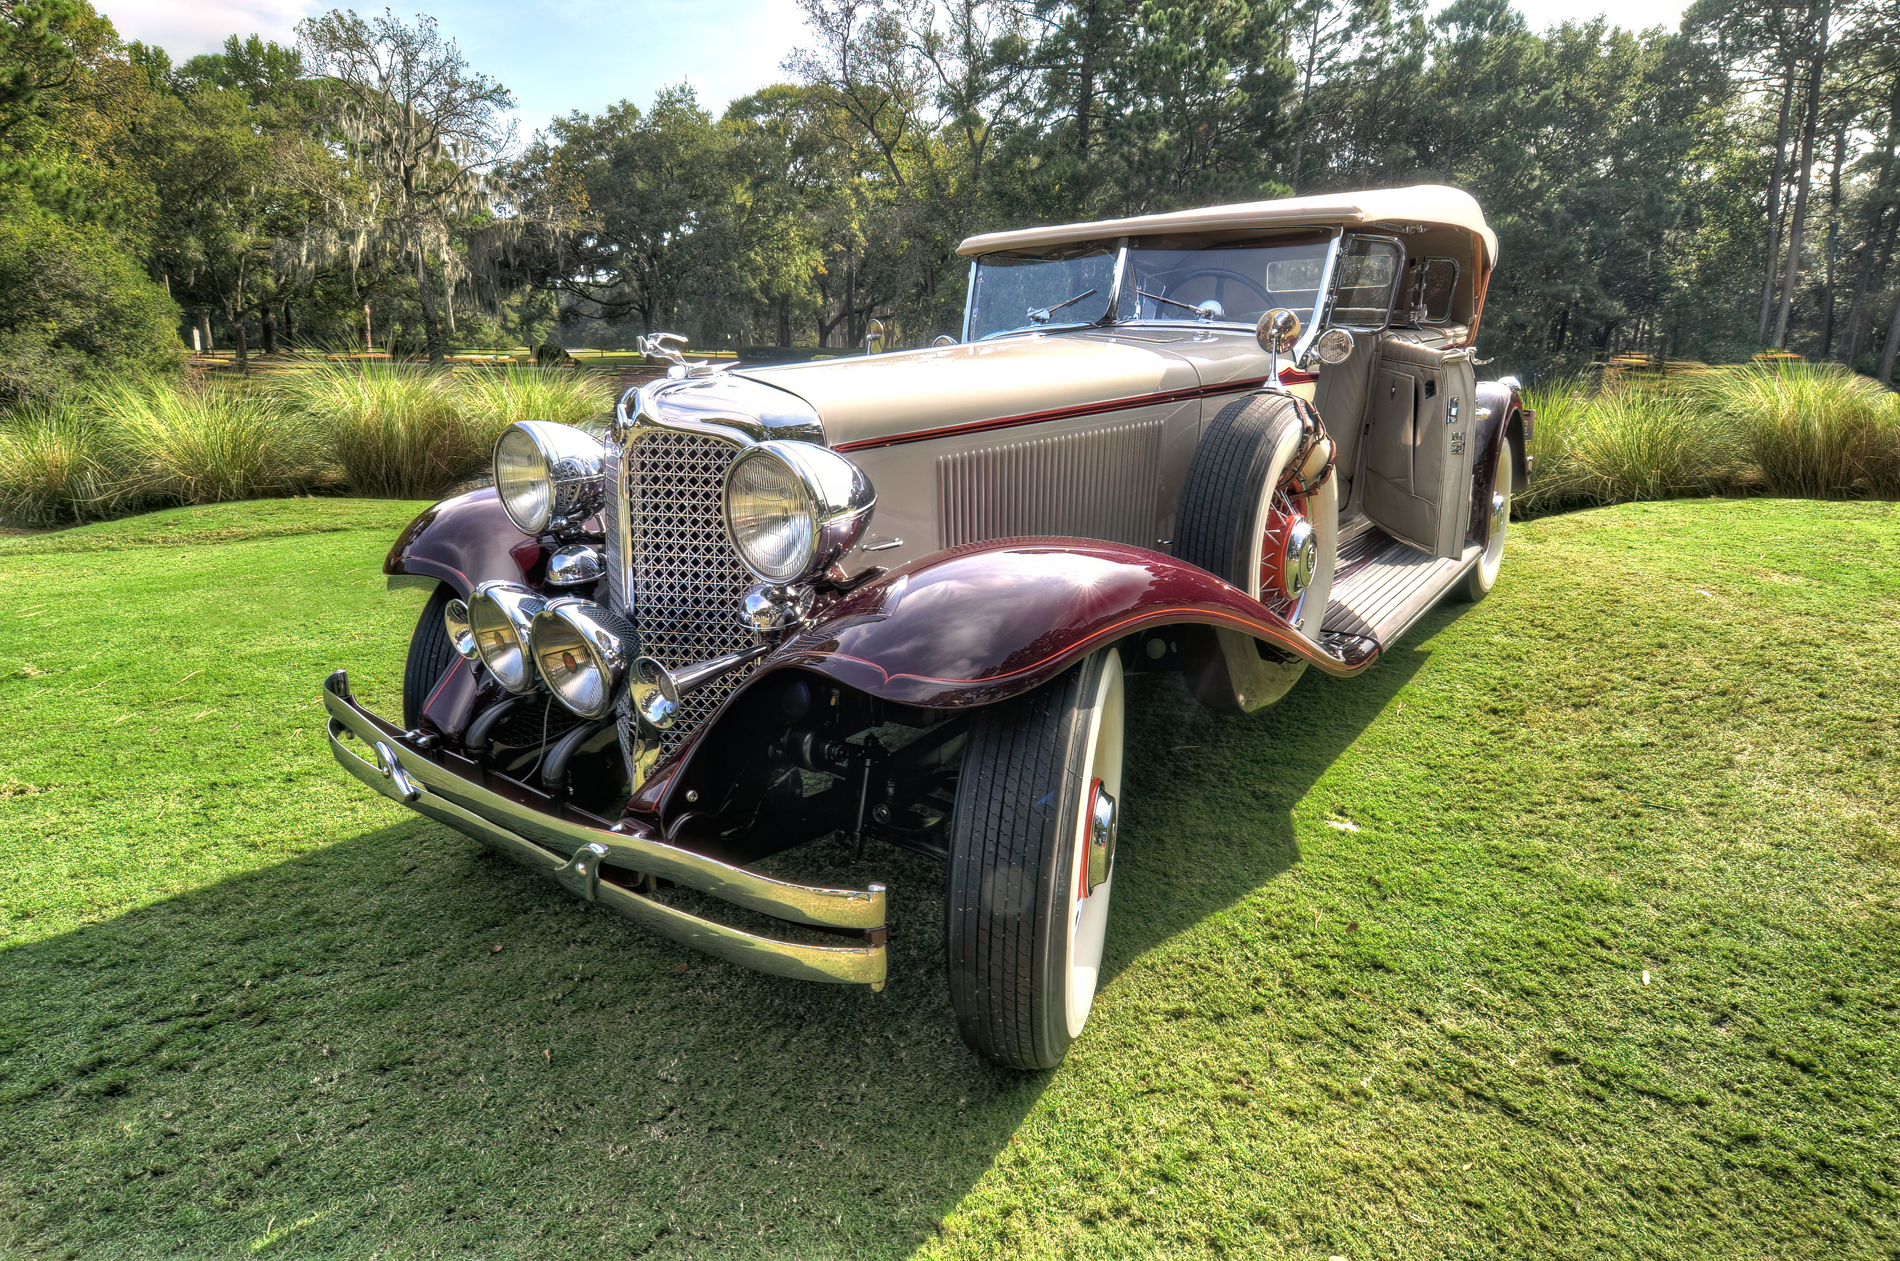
{"x":1227,"y":284}
{"x":1013,"y":291}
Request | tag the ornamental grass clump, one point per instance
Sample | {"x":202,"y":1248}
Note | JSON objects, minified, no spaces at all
{"x":1634,"y":439}
{"x":205,"y":443}
{"x":1809,"y":430}
{"x":495,"y":398}
{"x":55,"y":468}
{"x":392,"y":432}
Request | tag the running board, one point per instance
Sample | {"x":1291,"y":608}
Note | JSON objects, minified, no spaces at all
{"x":1381,"y":587}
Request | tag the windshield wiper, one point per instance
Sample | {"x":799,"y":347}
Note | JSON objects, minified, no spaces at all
{"x":1040,"y":315}
{"x":1208,"y":310}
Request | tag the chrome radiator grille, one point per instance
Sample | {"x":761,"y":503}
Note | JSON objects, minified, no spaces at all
{"x":685,"y":578}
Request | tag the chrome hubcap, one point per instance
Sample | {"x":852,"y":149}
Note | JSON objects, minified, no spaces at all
{"x":1300,"y":559}
{"x":1102,"y":823}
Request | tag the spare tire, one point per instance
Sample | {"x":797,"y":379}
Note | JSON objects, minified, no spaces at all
{"x":1243,"y":497}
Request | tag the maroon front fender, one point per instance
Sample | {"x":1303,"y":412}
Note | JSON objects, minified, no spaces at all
{"x":464,"y":541}
{"x":981,"y":623}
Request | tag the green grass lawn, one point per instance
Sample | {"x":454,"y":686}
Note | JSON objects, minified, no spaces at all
{"x":1569,"y":931}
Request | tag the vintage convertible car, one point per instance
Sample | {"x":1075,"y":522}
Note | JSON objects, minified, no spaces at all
{"x":894,"y":598}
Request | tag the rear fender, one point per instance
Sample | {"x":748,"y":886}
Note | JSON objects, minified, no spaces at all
{"x":1502,"y":422}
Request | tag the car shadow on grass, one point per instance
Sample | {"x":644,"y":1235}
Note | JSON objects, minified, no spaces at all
{"x":1209,"y":797}
{"x":404,"y":1038}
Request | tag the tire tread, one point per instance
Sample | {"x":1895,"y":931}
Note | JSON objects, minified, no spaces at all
{"x":430,"y":655}
{"x":1016,"y":756}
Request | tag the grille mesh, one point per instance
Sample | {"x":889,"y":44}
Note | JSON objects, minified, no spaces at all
{"x":686,"y":579}
{"x":1093,"y":483}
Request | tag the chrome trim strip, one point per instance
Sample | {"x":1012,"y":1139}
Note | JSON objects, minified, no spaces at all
{"x":1323,"y":304}
{"x":525,"y":832}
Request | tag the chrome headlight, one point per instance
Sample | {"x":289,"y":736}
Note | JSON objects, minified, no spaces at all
{"x":549,"y":476}
{"x":793,"y":508}
{"x":582,"y":651}
{"x":501,"y":616}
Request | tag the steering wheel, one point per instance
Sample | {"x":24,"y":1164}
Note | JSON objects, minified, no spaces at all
{"x":1225,"y":274}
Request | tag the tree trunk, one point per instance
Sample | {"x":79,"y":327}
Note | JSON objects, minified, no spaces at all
{"x":204,"y":326}
{"x":1085,"y":79}
{"x":1887,"y":352}
{"x":431,"y":323}
{"x":1774,"y":200}
{"x":268,"y":318}
{"x":784,"y":320}
{"x":1873,"y":267}
{"x":1830,"y":254}
{"x":1306,"y":96}
{"x":290,"y":327}
{"x":243,"y":348}
{"x":1816,"y":67}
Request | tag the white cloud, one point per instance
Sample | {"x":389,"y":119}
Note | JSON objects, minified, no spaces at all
{"x":185,"y":28}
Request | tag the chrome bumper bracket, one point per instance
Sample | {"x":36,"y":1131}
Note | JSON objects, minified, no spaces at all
{"x":571,"y":854}
{"x":581,"y":873}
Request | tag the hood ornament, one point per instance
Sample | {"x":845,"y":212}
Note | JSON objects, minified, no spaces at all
{"x":666,"y":346}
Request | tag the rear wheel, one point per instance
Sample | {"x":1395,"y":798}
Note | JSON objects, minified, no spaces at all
{"x":430,"y":655}
{"x":1032,"y":858}
{"x":1484,"y":575}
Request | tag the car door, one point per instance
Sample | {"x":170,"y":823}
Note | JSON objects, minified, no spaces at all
{"x":1418,"y":459}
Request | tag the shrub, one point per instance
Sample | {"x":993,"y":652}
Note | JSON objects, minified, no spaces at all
{"x":410,"y":433}
{"x":1634,"y":439}
{"x":392,"y":431}
{"x":495,"y":398}
{"x":55,"y":469}
{"x":74,"y":307}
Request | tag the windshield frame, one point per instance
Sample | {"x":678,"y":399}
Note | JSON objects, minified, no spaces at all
{"x":1322,"y":307}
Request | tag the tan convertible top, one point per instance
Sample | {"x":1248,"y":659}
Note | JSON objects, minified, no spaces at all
{"x":1426,"y":205}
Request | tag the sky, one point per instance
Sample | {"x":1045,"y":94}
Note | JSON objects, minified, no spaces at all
{"x":563,"y":55}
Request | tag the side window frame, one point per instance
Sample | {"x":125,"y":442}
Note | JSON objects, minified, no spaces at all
{"x":1419,"y":313}
{"x":1347,"y":246}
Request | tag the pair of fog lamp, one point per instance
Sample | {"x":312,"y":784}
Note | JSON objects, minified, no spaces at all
{"x":791,"y":509}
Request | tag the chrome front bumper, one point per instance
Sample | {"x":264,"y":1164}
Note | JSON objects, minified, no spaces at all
{"x":571,"y":853}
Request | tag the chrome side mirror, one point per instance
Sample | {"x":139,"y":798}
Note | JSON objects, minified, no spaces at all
{"x":873,"y":336}
{"x":943,"y":339}
{"x":1277,"y":331}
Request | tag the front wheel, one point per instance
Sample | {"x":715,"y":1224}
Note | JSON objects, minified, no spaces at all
{"x":1032,"y":863}
{"x":430,"y":656}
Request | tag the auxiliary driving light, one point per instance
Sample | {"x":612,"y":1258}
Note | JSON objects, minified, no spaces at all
{"x":582,"y":650}
{"x":500,"y":615}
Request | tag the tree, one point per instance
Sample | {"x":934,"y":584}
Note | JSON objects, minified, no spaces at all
{"x":243,"y":187}
{"x":75,"y":308}
{"x":425,"y":130}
